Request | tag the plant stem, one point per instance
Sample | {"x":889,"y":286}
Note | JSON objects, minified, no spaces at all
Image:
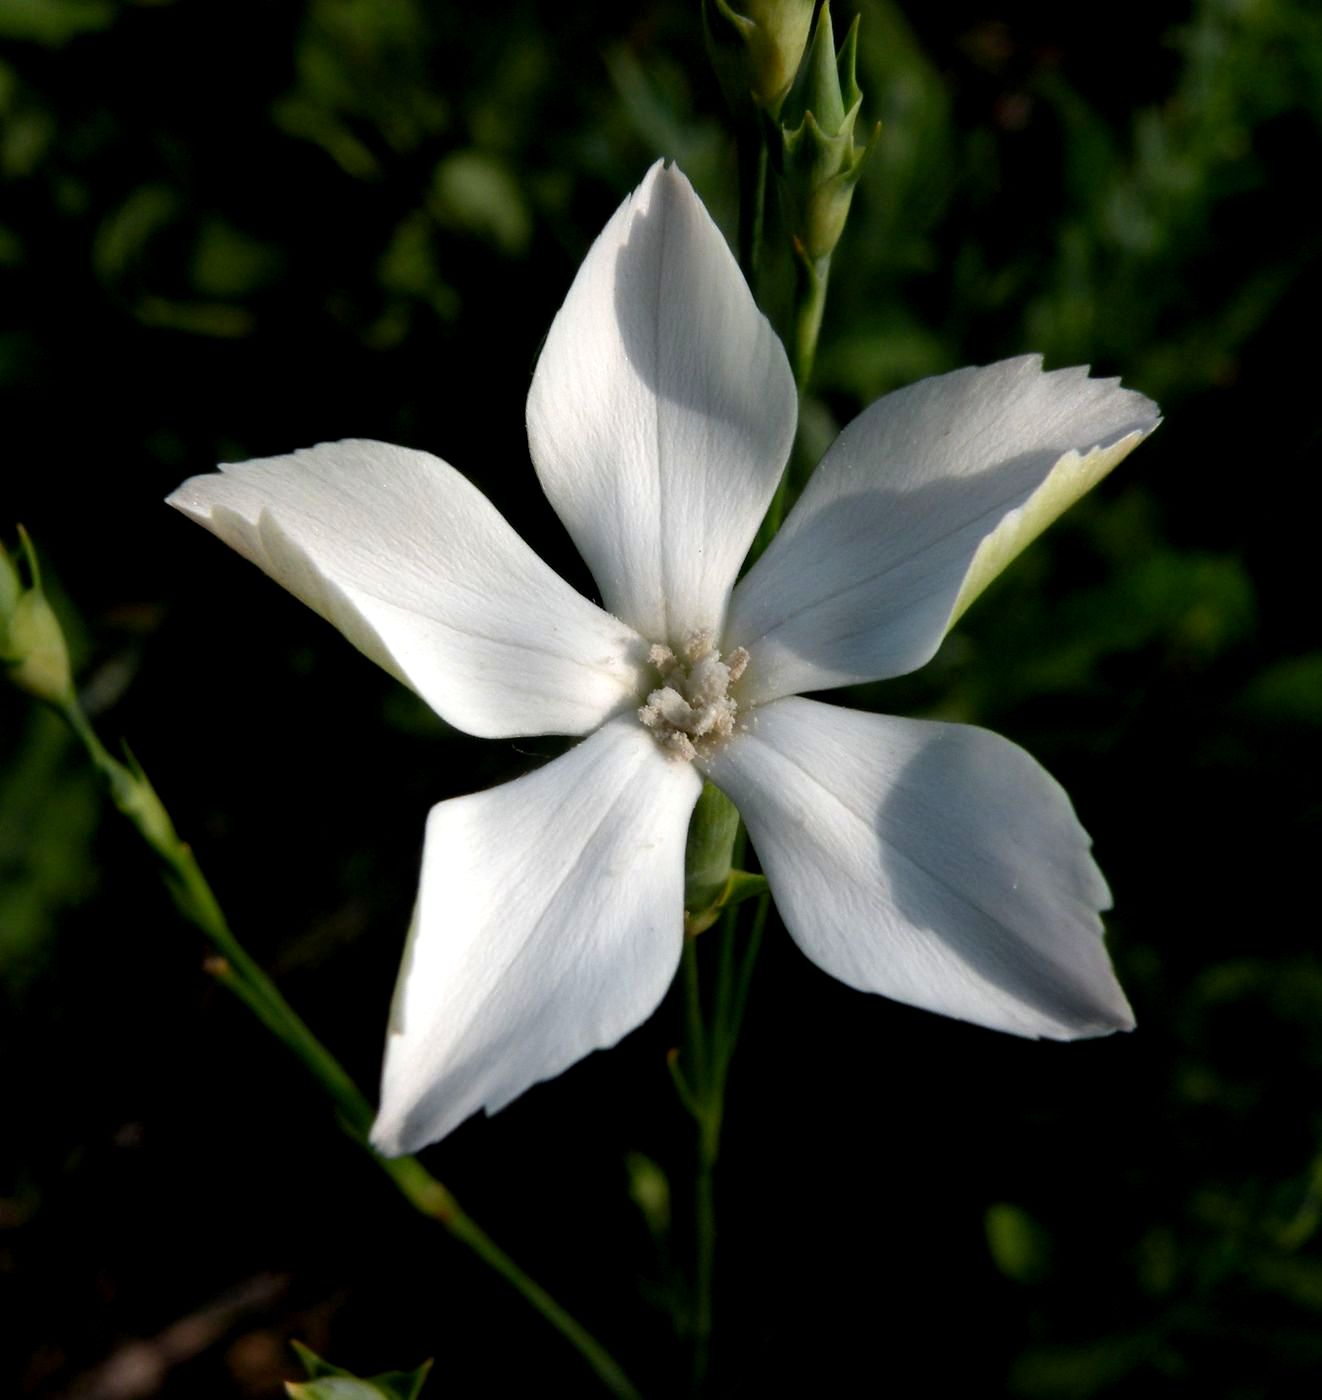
{"x":809,"y":303}
{"x":745,"y":976}
{"x":705,"y":1106}
{"x":751,"y":156}
{"x":710,"y":1051}
{"x":709,"y":1142}
{"x":234,"y":969}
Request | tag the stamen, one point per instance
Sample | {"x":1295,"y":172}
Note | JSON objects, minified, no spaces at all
{"x":692,"y":711}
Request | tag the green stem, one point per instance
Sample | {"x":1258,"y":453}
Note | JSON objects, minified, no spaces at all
{"x":725,"y":1017}
{"x":237,"y":971}
{"x":354,"y":1112}
{"x":709,"y":1138}
{"x":710,"y":1050}
{"x":751,"y":155}
{"x":809,"y":303}
{"x":746,"y":967}
{"x":811,"y":284}
{"x":697,"y":1036}
{"x":706,"y":1106}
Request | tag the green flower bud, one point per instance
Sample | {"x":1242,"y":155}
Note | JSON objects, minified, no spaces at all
{"x":328,"y":1382}
{"x":650,"y":1190}
{"x":819,"y":163}
{"x":32,"y":643}
{"x":11,"y":590}
{"x":756,"y":49}
{"x":134,"y":795}
{"x":36,"y":654}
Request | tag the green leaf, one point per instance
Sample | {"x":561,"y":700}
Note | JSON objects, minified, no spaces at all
{"x":474,"y":192}
{"x":330,"y":1382}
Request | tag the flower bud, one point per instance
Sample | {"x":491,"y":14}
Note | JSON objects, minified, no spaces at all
{"x":650,"y":1190}
{"x":134,"y":795}
{"x":32,"y":643}
{"x":11,"y":589}
{"x":756,"y":49}
{"x":819,"y":163}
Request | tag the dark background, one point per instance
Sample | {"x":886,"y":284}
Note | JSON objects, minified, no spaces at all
{"x":229,"y":229}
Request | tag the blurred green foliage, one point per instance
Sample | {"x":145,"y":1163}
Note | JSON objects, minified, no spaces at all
{"x":229,"y":228}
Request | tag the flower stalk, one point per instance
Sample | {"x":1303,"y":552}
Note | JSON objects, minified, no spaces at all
{"x":818,"y":166}
{"x":233,"y":968}
{"x":701,"y":1075}
{"x":814,"y":275}
{"x":752,"y":153}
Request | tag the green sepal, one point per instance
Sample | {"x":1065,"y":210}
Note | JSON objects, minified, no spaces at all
{"x":741,"y":885}
{"x":328,"y":1382}
{"x":817,"y":160}
{"x":821,"y":92}
{"x":756,"y":49}
{"x":711,"y":884}
{"x":744,"y":884}
{"x":709,"y":849}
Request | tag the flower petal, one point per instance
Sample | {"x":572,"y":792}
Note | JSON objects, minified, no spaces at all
{"x":549,"y":924}
{"x":420,"y":571}
{"x":919,"y":503}
{"x":934,"y":863}
{"x":662,"y":413}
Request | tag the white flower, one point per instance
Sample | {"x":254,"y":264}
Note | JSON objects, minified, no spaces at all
{"x":934,"y":863}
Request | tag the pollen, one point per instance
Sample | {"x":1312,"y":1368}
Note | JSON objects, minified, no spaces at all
{"x":692,"y":711}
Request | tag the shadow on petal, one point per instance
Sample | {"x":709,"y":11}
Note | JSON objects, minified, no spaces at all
{"x":981,"y":850}
{"x":862,"y":588}
{"x":688,"y":323}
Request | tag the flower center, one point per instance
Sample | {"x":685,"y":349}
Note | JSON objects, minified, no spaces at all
{"x":692,"y":711}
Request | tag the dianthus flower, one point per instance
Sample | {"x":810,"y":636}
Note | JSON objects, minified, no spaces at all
{"x":934,"y":863}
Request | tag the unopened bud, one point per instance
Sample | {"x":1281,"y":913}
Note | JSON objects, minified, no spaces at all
{"x":134,"y":796}
{"x":819,"y":163}
{"x":32,"y":643}
{"x":755,"y":47}
{"x":11,"y":589}
{"x":650,"y":1190}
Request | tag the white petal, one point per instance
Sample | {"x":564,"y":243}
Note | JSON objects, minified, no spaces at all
{"x":934,"y":863}
{"x":919,"y":503}
{"x":662,"y":413}
{"x":549,"y":924}
{"x":419,"y":570}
